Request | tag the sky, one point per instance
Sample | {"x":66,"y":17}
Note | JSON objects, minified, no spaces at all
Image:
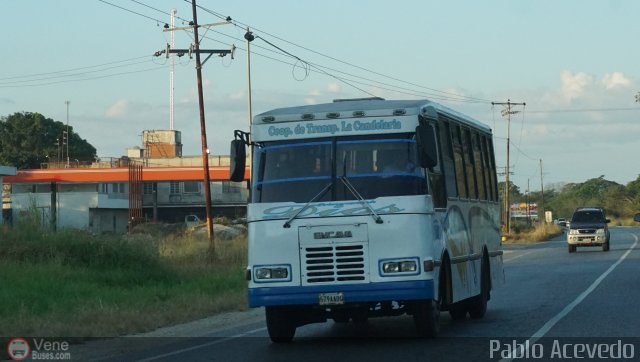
{"x":575,"y":63}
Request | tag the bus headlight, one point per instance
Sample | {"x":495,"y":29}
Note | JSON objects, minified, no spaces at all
{"x":391,"y":267}
{"x":573,"y":231}
{"x":408,"y":266}
{"x":272,"y":273}
{"x":399,"y":267}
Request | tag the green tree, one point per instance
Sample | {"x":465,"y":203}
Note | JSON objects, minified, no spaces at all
{"x":29,"y":139}
{"x":514,"y":191}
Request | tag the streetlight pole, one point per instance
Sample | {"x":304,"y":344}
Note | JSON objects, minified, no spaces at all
{"x":541,"y":211}
{"x":249,"y":37}
{"x":67,"y":103}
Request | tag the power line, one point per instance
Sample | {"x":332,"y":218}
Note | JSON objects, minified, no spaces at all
{"x":84,"y":79}
{"x":324,"y":70}
{"x":243,"y":25}
{"x":71,"y":75}
{"x":131,"y":11}
{"x":439,"y":95}
{"x":74,"y":69}
{"x":585,"y":110}
{"x":150,"y":7}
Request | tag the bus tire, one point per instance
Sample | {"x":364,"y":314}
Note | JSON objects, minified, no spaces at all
{"x":280,"y":325}
{"x":458,"y":312}
{"x":478,"y":306}
{"x":572,"y":248}
{"x":605,"y":246}
{"x":426,"y":316}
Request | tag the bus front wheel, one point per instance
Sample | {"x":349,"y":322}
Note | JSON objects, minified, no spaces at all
{"x":426,"y":316}
{"x":280,"y":325}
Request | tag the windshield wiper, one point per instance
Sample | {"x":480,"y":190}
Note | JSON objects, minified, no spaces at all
{"x":287,"y":224}
{"x":355,"y":193}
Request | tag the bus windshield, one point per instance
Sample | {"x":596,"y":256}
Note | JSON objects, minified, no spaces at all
{"x":296,"y":171}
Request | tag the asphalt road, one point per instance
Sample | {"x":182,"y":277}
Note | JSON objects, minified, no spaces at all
{"x":553,"y":301}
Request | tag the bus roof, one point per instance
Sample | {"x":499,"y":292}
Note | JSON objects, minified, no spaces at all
{"x":362,"y":107}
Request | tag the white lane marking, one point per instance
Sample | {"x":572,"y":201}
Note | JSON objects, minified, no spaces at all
{"x":519,"y":256}
{"x":553,"y":321}
{"x":192,"y":348}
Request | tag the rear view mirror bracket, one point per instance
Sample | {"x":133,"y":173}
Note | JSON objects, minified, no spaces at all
{"x":238,"y":155}
{"x":242,"y":136}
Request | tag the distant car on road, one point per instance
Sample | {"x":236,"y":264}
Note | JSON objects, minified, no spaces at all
{"x":562,"y":222}
{"x":588,"y":227}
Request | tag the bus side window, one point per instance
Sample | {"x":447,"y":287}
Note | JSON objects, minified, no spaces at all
{"x":437,"y":179}
{"x":458,"y":157}
{"x":448,"y":166}
{"x":478,"y":165}
{"x":468,"y":164}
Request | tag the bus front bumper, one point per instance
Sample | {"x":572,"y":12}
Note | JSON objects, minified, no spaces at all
{"x":352,"y":293}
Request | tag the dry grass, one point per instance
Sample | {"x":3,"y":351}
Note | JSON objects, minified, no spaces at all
{"x":540,"y":232}
{"x":74,"y":284}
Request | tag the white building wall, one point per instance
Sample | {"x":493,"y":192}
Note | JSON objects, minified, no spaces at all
{"x":4,"y":171}
{"x":72,"y":209}
{"x":103,"y":207}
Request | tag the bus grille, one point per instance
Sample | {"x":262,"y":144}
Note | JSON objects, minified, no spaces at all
{"x":331,"y":263}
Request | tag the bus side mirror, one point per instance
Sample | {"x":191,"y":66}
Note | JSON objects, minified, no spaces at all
{"x":636,"y":217}
{"x":237,"y":160}
{"x":427,"y":152}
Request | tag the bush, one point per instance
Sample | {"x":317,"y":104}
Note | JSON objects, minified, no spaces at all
{"x":535,"y":233}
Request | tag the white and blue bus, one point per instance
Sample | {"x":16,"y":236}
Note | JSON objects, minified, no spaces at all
{"x":370,"y":207}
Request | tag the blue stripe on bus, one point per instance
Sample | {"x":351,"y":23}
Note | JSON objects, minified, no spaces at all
{"x":353,"y":293}
{"x":290,"y":145}
{"x":350,"y":176}
{"x":291,"y":179}
{"x":385,"y":174}
{"x":381,"y":140}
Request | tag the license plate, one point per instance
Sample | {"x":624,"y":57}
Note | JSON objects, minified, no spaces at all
{"x":331,"y":298}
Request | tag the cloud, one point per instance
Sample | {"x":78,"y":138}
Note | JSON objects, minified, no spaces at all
{"x":615,"y":80}
{"x":118,"y":109}
{"x":538,"y":130}
{"x":126,"y":108}
{"x":334,"y":88}
{"x":574,"y":85}
{"x":237,"y":95}
{"x":6,"y":101}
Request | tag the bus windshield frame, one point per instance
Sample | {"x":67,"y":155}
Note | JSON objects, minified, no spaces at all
{"x":376,"y":165}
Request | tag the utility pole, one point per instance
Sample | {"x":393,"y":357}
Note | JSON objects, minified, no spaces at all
{"x":203,"y":131}
{"x":528,"y":208}
{"x":507,"y":112}
{"x":195,"y":48}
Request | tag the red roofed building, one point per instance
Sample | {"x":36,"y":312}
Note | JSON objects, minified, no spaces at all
{"x":102,"y":199}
